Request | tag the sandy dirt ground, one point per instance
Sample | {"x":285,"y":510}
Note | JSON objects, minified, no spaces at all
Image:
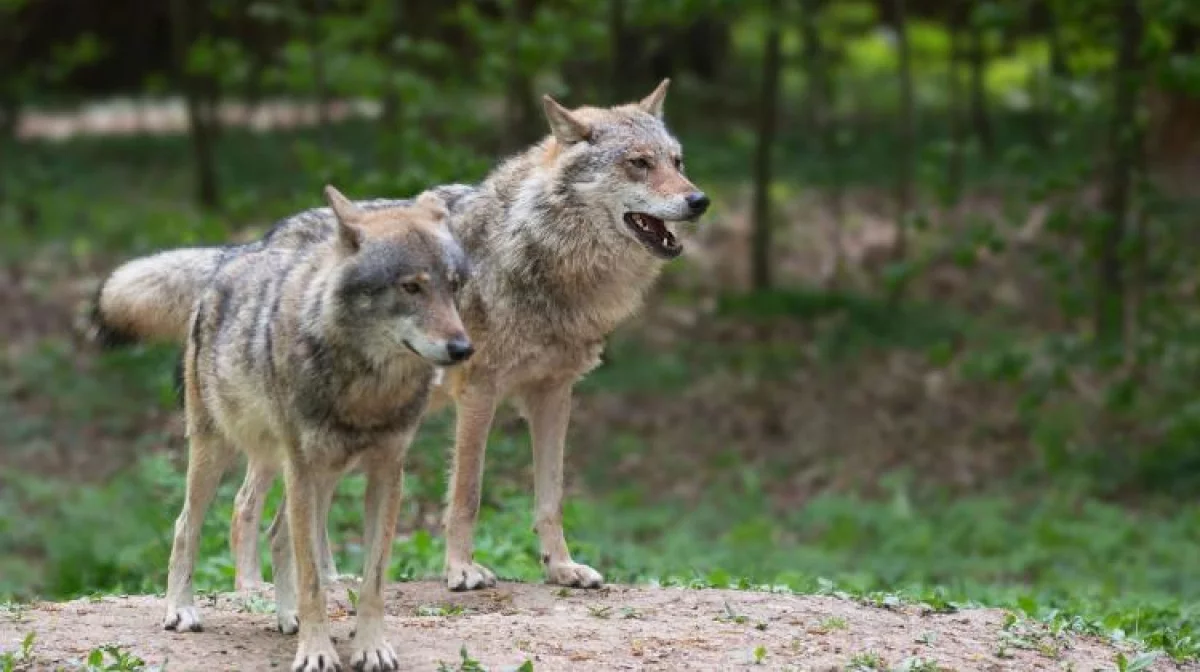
{"x":615,"y":628}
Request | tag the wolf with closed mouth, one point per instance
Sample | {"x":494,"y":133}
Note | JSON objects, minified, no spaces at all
{"x":313,"y":360}
{"x":564,"y":239}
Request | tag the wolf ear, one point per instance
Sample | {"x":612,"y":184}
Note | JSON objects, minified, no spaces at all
{"x":567,"y":128}
{"x":348,"y":216}
{"x":433,"y":204}
{"x":653,"y":103}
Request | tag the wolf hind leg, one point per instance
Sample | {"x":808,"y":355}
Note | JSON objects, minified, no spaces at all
{"x":247,"y":518}
{"x":208,"y":458}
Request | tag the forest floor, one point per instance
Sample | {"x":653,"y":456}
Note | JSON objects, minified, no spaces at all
{"x":615,"y":628}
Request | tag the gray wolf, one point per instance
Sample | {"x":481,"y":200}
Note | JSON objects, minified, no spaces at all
{"x":315,"y":359}
{"x":564,"y":240}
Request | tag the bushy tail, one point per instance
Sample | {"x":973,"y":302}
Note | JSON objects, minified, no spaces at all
{"x":151,"y":298}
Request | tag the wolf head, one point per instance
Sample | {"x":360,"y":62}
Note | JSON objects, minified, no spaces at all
{"x":626,"y":161}
{"x":398,"y":272}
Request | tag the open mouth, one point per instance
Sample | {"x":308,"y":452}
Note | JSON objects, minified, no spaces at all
{"x":654,"y":234}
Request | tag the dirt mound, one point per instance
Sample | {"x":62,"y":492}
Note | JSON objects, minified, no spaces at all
{"x":617,"y":628}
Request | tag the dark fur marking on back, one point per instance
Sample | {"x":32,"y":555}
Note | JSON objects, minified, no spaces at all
{"x":179,"y":365}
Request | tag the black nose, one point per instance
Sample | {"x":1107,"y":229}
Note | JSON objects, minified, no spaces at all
{"x":697,"y":202}
{"x":459,"y":349}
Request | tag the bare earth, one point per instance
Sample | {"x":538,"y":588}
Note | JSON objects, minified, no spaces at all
{"x":616,"y":628}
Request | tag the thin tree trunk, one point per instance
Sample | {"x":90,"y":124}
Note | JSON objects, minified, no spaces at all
{"x":1123,"y":147}
{"x":621,"y":72}
{"x":391,"y":96}
{"x":760,"y":261}
{"x":199,"y":129}
{"x":1058,"y":53}
{"x":521,"y":110}
{"x":954,"y":163}
{"x":320,"y":80}
{"x":10,"y":114}
{"x":905,"y":151}
{"x":979,"y":108}
{"x":821,"y":115}
{"x":812,"y":63}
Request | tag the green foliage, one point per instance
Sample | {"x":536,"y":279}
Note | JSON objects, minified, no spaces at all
{"x":866,"y":661}
{"x":9,"y":660}
{"x":112,"y":658}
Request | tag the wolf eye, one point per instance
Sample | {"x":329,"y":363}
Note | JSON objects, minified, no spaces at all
{"x":640,"y":163}
{"x":411,"y":287}
{"x":678,"y":163}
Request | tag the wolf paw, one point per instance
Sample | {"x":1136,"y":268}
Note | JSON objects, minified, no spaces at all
{"x":469,"y":576}
{"x":183,"y":619}
{"x":374,"y":657}
{"x":574,"y":575}
{"x":317,"y":657}
{"x":288,"y":621}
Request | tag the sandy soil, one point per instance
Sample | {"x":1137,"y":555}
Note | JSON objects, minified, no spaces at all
{"x":616,"y":628}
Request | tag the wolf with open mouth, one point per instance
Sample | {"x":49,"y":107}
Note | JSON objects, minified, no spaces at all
{"x":564,"y":240}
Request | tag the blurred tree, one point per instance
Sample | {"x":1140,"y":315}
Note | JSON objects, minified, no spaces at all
{"x":821,"y":116}
{"x":906,"y":137}
{"x":316,"y":45}
{"x":768,"y":105}
{"x":523,"y":117}
{"x":977,"y":54}
{"x":954,"y":99}
{"x":1123,"y":158}
{"x":199,"y":98}
{"x":621,"y":65}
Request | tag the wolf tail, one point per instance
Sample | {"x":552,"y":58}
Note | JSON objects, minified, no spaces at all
{"x":151,"y":298}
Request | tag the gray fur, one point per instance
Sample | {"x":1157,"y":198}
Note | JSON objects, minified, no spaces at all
{"x":555,"y":267}
{"x":312,"y":358}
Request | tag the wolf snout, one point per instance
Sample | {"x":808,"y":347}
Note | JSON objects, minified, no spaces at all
{"x":697,"y":203}
{"x":459,"y":349}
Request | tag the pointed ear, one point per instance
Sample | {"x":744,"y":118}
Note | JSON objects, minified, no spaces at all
{"x":653,"y":103}
{"x":342,"y":207}
{"x":433,"y":204}
{"x":348,"y":216}
{"x":567,"y":128}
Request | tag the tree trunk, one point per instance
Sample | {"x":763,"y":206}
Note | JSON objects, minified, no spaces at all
{"x":622,"y":71}
{"x":10,"y":115}
{"x":1059,"y":67}
{"x":954,"y":106}
{"x":979,"y":109}
{"x":320,"y":80}
{"x":821,"y":117}
{"x":905,"y":151}
{"x":815,"y":85}
{"x":521,"y":109}
{"x":1123,"y":148}
{"x":390,"y":116}
{"x":760,"y":261}
{"x":207,"y":194}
